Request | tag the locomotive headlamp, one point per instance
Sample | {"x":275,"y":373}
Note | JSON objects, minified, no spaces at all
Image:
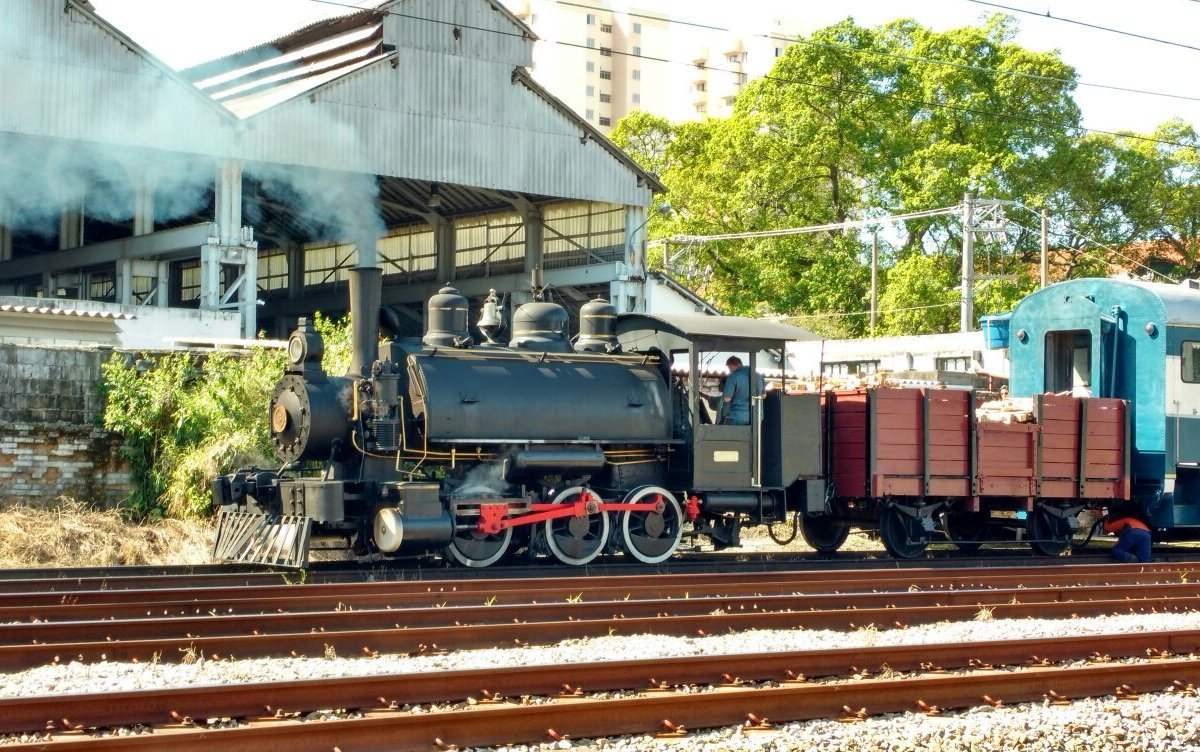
{"x":305,"y":346}
{"x":1151,"y":329}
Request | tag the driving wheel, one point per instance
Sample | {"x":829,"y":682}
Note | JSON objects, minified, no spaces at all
{"x":651,"y":536}
{"x":576,"y":540}
{"x":903,"y":535}
{"x":470,"y":546}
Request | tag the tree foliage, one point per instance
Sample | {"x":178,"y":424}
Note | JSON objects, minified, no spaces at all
{"x":185,"y":418}
{"x":856,"y":122}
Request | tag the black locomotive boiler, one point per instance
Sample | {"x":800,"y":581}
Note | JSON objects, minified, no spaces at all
{"x":543,"y":445}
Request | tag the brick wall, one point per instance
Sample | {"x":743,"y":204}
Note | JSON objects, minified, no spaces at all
{"x":50,"y":440}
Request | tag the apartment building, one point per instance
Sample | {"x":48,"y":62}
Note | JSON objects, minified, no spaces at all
{"x":607,"y":59}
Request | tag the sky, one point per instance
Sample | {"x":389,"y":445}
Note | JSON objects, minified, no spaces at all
{"x":186,"y":32}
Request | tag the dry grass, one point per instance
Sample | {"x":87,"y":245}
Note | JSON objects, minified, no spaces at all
{"x":71,"y":535}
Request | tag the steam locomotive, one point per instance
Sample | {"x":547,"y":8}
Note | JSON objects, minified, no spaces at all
{"x":605,"y":444}
{"x":538,"y":445}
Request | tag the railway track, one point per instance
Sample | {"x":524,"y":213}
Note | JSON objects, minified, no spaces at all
{"x":377,"y":712}
{"x":421,"y":618}
{"x":578,"y":700}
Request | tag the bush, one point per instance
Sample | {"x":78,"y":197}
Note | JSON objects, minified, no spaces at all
{"x":186,"y":418}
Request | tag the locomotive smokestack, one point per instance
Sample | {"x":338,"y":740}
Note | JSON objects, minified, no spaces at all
{"x":365,"y":297}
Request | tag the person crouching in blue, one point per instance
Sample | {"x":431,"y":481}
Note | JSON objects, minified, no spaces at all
{"x":1131,"y":526}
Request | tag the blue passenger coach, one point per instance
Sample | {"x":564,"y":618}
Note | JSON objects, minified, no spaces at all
{"x":1133,"y":340}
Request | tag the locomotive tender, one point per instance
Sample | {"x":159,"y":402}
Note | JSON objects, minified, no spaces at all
{"x":543,"y":445}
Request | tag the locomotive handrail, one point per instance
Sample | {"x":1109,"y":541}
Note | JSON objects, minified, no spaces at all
{"x":537,"y":357}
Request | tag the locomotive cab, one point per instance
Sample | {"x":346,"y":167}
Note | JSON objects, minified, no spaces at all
{"x":761,"y":470}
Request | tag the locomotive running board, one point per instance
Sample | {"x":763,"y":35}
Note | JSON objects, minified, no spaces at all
{"x":279,"y":540}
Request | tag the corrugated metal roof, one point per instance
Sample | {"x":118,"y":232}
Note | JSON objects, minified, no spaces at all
{"x":53,"y":311}
{"x":692,"y":325}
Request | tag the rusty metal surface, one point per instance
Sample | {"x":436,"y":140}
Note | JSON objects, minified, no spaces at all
{"x":378,"y":595}
{"x":502,"y":723}
{"x":399,"y":638}
{"x":198,"y":593}
{"x":369,"y":692}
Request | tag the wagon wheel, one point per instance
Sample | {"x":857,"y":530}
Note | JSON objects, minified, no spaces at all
{"x":966,"y":530}
{"x":576,"y":540}
{"x":1049,"y":534}
{"x":1089,"y":524}
{"x":651,"y":536}
{"x":903,"y":535}
{"x":469,"y":546}
{"x":823,"y":533}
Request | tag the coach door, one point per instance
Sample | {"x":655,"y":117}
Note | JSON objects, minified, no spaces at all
{"x":726,"y":457}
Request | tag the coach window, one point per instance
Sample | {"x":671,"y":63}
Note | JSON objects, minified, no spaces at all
{"x":1190,"y":356}
{"x":1069,"y":361}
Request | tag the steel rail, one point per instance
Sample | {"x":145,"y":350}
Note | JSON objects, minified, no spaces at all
{"x":209,"y":625}
{"x":831,"y":580}
{"x":158,"y":706}
{"x":502,"y":723}
{"x":396,"y":638}
{"x":378,"y":596}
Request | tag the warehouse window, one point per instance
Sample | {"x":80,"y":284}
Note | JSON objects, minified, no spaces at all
{"x":1190,"y":355}
{"x":850,"y":367}
{"x":960,"y":363}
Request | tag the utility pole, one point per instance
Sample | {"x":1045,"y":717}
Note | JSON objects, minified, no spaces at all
{"x":967,"y":310}
{"x":1045,"y":247}
{"x":874,"y":280}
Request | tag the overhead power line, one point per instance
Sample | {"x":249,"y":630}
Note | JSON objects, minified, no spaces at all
{"x":1098,"y":27}
{"x":813,"y":228}
{"x":1001,"y":116}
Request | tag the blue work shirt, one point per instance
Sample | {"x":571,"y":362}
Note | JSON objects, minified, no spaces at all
{"x":737,"y":387}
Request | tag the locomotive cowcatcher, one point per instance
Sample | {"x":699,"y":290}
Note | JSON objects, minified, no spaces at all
{"x":544,"y":445}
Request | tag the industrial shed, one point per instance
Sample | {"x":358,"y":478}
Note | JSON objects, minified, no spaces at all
{"x":409,"y":136}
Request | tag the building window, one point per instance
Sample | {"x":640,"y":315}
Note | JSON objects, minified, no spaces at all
{"x":637,"y":75}
{"x":741,"y":79}
{"x":729,"y":101}
{"x":637,"y":51}
{"x":637,"y":28}
{"x":636,"y":99}
{"x":701,"y":109}
{"x":591,"y":19}
{"x":589,"y":114}
{"x":733,"y":57}
{"x":605,"y":28}
{"x":591,"y":91}
{"x":605,"y":75}
{"x":699,"y":86}
{"x":850,"y":367}
{"x":591,"y":43}
{"x":606,"y":52}
{"x":605,"y":97}
{"x":961,"y":363}
{"x":591,"y":66}
{"x":778,"y":51}
{"x":605,"y":121}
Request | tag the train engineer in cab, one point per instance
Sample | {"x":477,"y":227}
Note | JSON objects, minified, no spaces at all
{"x":735,"y":397}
